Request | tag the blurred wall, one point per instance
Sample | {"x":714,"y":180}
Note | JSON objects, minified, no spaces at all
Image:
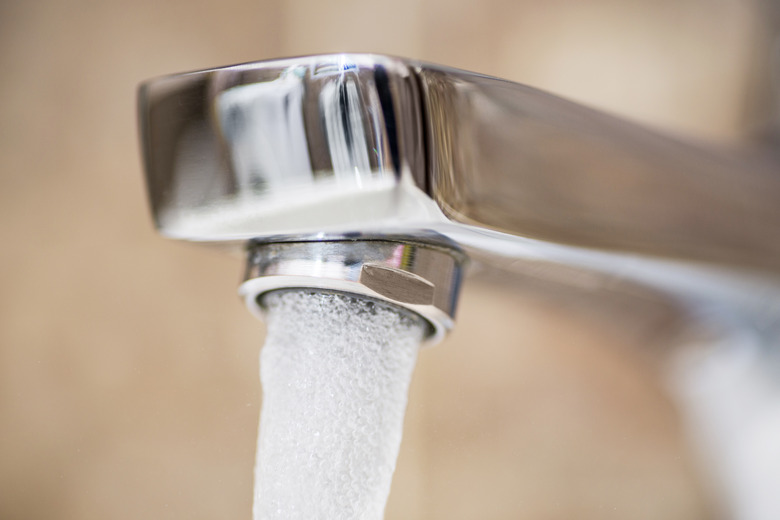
{"x":128,"y":373}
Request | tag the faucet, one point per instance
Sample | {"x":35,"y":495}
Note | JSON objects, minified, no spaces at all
{"x":384,"y":177}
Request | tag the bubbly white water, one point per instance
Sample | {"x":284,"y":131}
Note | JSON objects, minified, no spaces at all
{"x":335,"y":371}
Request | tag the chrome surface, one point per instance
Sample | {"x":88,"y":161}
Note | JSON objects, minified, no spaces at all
{"x":329,"y":143}
{"x":512,"y":158}
{"x":349,"y":144}
{"x":354,"y":143}
{"x":421,"y":277}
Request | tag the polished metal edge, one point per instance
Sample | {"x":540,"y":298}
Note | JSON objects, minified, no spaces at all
{"x":422,"y":278}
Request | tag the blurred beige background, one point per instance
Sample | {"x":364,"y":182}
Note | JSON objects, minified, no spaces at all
{"x":128,"y":367}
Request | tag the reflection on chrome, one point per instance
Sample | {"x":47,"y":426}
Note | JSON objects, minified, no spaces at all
{"x":261,"y":125}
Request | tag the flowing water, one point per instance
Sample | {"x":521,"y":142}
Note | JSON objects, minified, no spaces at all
{"x":335,"y":371}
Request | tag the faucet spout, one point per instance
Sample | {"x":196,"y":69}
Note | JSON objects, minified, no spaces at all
{"x":372,"y":174}
{"x":365,"y":143}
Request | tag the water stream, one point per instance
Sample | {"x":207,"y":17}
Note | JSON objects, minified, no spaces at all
{"x":335,"y":371}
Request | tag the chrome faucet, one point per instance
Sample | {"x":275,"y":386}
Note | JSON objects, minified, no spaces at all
{"x":380,"y":176}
